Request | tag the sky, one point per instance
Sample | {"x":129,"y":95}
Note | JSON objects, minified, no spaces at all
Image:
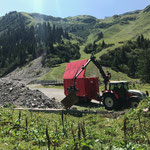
{"x":66,"y":8}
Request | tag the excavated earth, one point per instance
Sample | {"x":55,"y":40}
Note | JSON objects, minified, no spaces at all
{"x":16,"y":93}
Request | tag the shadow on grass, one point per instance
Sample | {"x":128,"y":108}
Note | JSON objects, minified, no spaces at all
{"x":92,"y":104}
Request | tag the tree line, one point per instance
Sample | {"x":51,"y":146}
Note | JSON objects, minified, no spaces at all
{"x":20,"y":45}
{"x":133,"y":59}
{"x":95,"y":48}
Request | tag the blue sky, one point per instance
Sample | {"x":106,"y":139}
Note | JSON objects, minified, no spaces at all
{"x":65,"y":8}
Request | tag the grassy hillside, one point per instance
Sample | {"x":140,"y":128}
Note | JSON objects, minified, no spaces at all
{"x":56,"y":73}
{"x":117,"y":30}
{"x":85,"y":29}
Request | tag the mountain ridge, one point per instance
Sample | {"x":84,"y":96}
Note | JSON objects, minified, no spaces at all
{"x":86,"y":29}
{"x":85,"y":23}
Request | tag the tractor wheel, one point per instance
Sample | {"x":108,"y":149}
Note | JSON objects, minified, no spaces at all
{"x":109,"y":102}
{"x":134,"y":103}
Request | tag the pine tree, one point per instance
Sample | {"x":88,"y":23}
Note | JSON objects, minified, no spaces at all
{"x":132,"y":67}
{"x":144,"y":66}
{"x":103,"y":44}
{"x":116,"y":61}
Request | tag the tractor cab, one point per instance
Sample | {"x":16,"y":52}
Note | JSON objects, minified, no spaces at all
{"x":118,"y":85}
{"x":117,"y":95}
{"x":120,"y":89}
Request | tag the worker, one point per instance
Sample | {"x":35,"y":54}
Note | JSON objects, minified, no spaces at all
{"x":108,"y":77}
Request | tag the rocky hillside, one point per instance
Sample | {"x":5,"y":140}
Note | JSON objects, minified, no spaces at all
{"x":29,"y":72}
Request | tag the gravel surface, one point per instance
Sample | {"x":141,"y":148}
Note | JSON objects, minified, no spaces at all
{"x":58,"y":94}
{"x":29,"y":72}
{"x":16,"y":93}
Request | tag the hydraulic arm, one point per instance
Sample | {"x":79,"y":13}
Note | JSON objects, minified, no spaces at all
{"x":97,"y":64}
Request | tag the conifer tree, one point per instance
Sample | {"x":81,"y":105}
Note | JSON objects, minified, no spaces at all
{"x":144,"y":66}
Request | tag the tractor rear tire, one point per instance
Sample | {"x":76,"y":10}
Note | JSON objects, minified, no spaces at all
{"x":110,"y":102}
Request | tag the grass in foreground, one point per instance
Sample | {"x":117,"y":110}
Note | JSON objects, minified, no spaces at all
{"x":38,"y":131}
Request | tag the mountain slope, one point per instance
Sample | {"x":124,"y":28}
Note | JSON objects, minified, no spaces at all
{"x":136,"y":23}
{"x":115,"y":28}
{"x":82,"y":30}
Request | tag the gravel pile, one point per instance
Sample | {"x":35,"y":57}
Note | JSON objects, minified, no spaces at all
{"x":16,"y":93}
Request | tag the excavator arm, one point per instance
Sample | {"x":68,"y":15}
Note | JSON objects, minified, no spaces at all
{"x":105,"y":77}
{"x":98,"y":65}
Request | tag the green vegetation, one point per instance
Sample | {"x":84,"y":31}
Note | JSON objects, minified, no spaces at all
{"x":59,"y":39}
{"x":17,"y":47}
{"x":21,"y":45}
{"x":130,"y":59}
{"x":27,"y":130}
{"x":63,"y":52}
{"x":55,"y":73}
{"x":95,"y":48}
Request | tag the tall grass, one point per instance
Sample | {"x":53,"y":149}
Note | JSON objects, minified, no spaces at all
{"x":26,"y":130}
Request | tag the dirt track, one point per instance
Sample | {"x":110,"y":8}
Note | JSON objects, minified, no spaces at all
{"x":58,"y":94}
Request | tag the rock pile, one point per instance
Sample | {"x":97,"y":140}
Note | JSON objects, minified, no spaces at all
{"x":16,"y":93}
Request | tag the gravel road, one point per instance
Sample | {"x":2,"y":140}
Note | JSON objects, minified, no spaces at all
{"x":58,"y":94}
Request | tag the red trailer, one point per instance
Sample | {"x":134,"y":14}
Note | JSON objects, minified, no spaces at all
{"x":88,"y":88}
{"x":77,"y":86}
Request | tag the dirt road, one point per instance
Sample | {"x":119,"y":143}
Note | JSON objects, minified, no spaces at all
{"x":58,"y":94}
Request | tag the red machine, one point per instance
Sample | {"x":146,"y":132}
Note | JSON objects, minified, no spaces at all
{"x":88,"y":88}
{"x":78,"y":87}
